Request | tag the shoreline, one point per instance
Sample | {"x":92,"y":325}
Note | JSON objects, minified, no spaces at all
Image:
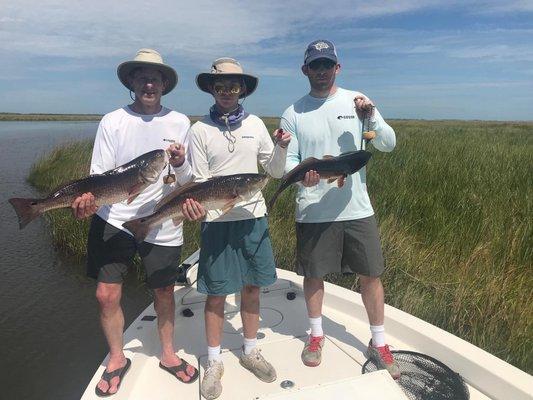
{"x":49,"y":117}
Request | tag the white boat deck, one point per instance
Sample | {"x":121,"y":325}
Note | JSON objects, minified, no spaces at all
{"x":281,"y":337}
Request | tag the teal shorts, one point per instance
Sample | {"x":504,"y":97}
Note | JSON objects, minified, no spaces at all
{"x":235,"y":254}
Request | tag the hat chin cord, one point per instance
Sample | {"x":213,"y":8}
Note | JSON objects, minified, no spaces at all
{"x":225,"y":117}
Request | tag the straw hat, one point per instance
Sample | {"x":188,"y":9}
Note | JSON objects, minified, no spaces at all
{"x":148,"y":58}
{"x":226,"y":67}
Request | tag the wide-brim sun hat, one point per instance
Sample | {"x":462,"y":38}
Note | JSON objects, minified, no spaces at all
{"x":226,"y":67}
{"x":148,"y":58}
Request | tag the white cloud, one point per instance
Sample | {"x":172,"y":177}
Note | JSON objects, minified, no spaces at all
{"x":195,"y":29}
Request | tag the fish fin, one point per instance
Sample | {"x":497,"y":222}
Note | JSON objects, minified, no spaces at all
{"x":177,"y":221}
{"x":230,"y":204}
{"x":326,"y":156}
{"x":135,"y":190}
{"x":341,"y":181}
{"x":26,"y":209}
{"x":131,"y":198}
{"x":172,"y":195}
{"x":138,"y":227}
{"x":227,"y":208}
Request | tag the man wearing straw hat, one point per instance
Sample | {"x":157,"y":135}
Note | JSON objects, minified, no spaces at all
{"x":236,"y":253}
{"x":342,"y":234}
{"x":123,"y":135}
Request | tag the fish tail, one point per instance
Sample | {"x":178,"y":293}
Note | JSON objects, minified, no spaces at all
{"x":27,"y":210}
{"x":139,"y":227}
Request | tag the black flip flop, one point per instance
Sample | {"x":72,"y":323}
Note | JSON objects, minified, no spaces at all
{"x":183,"y":368}
{"x":107,"y":376}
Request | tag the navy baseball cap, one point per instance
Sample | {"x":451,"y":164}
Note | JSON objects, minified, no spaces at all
{"x":320,"y":49}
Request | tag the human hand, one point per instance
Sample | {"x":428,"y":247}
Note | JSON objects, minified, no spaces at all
{"x":311,"y":178}
{"x":364,"y":107}
{"x":282,"y":137}
{"x":84,"y":206}
{"x":369,"y":135}
{"x":176,"y":153}
{"x":192,"y":210}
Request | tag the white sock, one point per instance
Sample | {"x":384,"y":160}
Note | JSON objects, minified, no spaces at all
{"x":213,"y":353}
{"x":316,"y":326}
{"x":378,"y":335}
{"x":249,"y":345}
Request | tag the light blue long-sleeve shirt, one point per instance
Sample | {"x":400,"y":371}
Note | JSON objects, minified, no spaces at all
{"x":330,"y":126}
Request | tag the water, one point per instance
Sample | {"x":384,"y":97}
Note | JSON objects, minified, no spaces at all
{"x":50,"y":338}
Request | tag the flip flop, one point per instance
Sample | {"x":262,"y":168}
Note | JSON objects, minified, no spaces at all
{"x":107,"y":376}
{"x":181,"y":368}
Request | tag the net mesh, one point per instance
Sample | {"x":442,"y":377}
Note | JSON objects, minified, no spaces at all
{"x":425,"y":378}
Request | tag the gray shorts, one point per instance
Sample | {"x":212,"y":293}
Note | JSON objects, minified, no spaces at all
{"x":341,"y":246}
{"x":110,"y":252}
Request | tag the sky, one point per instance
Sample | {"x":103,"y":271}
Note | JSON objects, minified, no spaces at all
{"x":426,"y":59}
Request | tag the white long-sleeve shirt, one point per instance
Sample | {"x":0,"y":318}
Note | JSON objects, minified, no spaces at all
{"x":211,"y":157}
{"x":330,"y":126}
{"x":124,"y":135}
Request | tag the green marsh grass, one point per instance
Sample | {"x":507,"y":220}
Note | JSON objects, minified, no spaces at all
{"x":454,"y":202}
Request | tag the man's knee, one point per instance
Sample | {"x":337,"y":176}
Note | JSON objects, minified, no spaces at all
{"x":164,"y":293}
{"x":314,"y":283}
{"x":250,"y":291}
{"x":108,"y":294}
{"x":215,"y":301}
{"x":369,"y":281}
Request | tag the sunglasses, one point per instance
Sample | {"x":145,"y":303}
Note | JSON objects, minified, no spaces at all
{"x":321,"y":62}
{"x":143,"y":80}
{"x":231,"y":88}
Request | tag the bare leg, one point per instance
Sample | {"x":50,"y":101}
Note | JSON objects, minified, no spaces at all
{"x":314,"y":296}
{"x":214,"y":319}
{"x":250,"y":311}
{"x":165,"y":307}
{"x":373,"y":299}
{"x":112,"y":321}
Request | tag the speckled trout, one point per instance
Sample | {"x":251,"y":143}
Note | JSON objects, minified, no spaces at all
{"x":218,"y":193}
{"x":113,"y":186}
{"x":329,"y":167}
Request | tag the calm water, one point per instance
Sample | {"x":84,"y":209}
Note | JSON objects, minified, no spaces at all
{"x":50,"y":339}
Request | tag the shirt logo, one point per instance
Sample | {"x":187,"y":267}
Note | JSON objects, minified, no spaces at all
{"x":321,"y":46}
{"x":346,"y":117}
{"x":247,"y":137}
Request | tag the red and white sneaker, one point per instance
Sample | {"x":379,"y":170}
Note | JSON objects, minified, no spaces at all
{"x":312,"y":352}
{"x":383,"y":359}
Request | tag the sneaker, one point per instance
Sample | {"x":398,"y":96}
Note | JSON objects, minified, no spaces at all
{"x":256,"y":363}
{"x":312,"y":352}
{"x":383,"y":359}
{"x":211,"y":386}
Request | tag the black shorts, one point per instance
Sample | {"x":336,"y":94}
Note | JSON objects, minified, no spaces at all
{"x":110,"y":252}
{"x":341,"y":246}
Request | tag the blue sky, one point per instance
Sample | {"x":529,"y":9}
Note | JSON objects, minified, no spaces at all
{"x":416,"y":59}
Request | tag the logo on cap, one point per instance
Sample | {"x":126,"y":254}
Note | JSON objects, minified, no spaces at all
{"x":321,"y":46}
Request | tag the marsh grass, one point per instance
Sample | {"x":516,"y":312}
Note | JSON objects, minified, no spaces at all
{"x":454,"y":203}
